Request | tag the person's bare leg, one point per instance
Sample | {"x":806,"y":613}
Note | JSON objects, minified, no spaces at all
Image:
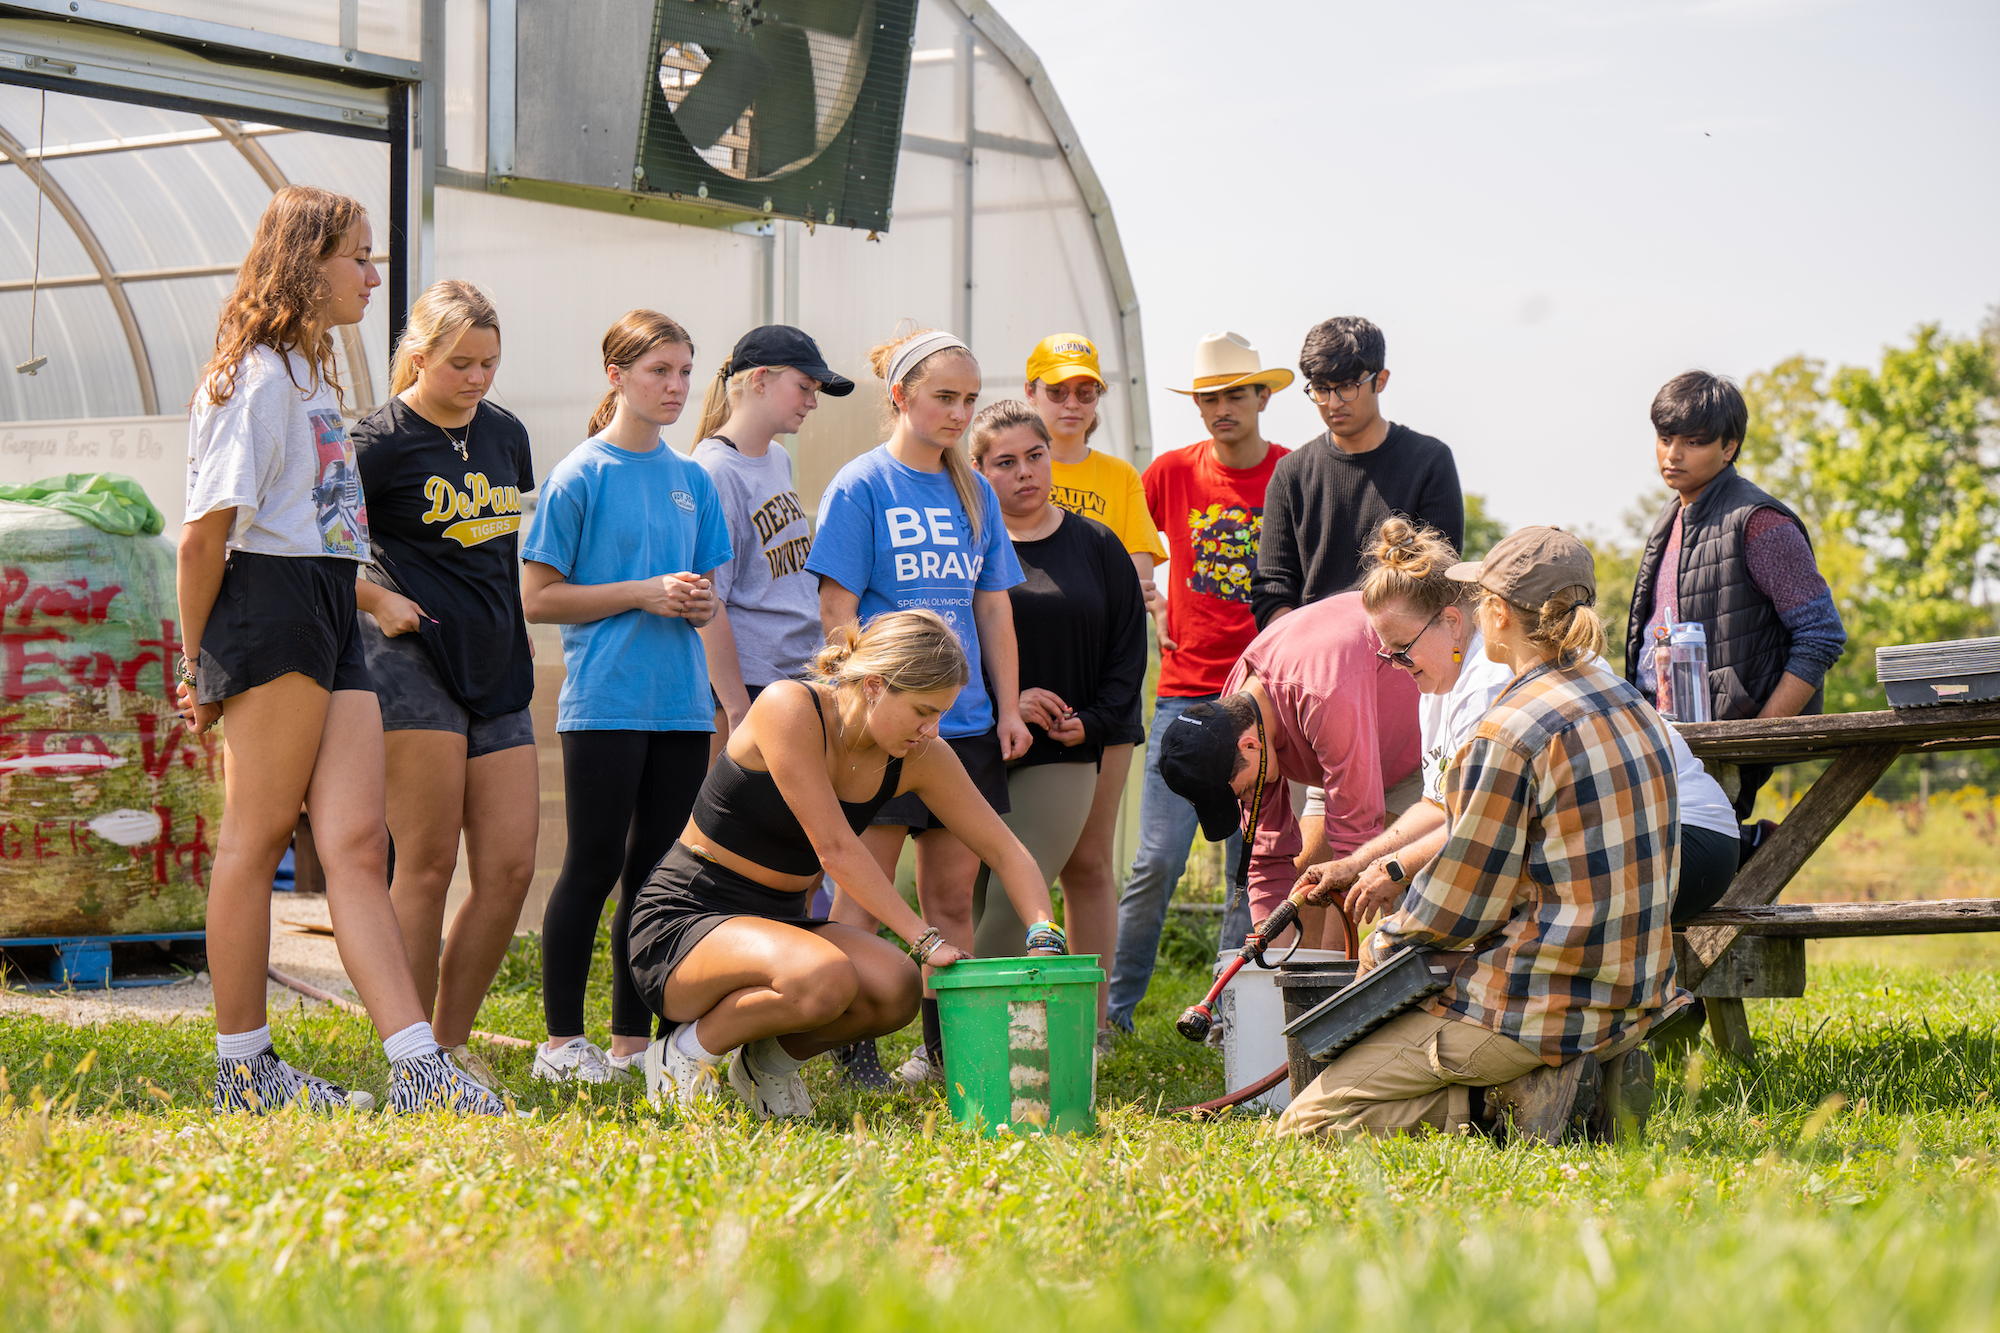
{"x":345,"y":802}
{"x":502,"y":816}
{"x":814,"y":990}
{"x":425,"y":796}
{"x":1089,"y":878}
{"x":270,"y":739}
{"x":885,"y":843}
{"x":946,"y":868}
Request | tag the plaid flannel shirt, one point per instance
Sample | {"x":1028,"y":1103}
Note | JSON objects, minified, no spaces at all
{"x":1560,"y":869}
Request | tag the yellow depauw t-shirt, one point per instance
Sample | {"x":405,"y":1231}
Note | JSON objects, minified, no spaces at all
{"x":1109,"y":490}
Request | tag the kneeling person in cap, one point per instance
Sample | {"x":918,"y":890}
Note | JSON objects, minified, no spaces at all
{"x":1312,"y":700}
{"x":1556,"y":882}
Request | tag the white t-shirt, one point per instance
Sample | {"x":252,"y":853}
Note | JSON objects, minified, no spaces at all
{"x":280,"y":455}
{"x":1446,"y":720}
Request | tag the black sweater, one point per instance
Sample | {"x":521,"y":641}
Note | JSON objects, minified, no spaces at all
{"x":1323,"y":506}
{"x":1080,"y":623}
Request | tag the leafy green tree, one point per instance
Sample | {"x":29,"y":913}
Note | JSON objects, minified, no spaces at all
{"x":1910,"y":479}
{"x":1617,"y":556}
{"x":1481,"y":528}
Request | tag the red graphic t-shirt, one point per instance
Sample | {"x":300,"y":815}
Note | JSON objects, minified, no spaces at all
{"x":1211,"y":516}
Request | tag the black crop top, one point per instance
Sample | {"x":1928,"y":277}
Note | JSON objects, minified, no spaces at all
{"x":742,"y":810}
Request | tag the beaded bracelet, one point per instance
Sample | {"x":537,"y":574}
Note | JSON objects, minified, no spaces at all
{"x":186,"y":672}
{"x":925,"y":945}
{"x":1047,"y":936}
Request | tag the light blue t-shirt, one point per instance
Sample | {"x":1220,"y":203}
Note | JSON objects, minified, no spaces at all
{"x":900,"y":539}
{"x":608,"y":515}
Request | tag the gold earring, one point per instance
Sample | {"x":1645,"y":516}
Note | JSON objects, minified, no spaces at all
{"x":1457,"y":656}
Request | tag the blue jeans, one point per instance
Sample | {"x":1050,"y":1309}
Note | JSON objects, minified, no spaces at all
{"x":1167,"y":827}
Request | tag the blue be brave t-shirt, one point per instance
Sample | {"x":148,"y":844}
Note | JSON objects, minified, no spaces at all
{"x":608,"y":515}
{"x":900,"y":539}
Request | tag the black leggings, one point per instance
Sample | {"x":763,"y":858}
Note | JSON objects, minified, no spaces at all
{"x":626,"y":797}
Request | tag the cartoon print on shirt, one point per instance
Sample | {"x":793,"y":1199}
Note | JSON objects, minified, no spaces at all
{"x":338,"y":506}
{"x":1224,"y":541}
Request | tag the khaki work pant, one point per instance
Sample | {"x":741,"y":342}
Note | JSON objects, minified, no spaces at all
{"x":1051,"y":804}
{"x":1412,"y":1072}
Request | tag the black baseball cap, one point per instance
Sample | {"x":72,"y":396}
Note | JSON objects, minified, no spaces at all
{"x":783,"y":345}
{"x":1197,"y":758}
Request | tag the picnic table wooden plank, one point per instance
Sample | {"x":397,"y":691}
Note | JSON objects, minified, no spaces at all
{"x":1785,"y":740}
{"x":1943,"y":916}
{"x":1811,"y":822}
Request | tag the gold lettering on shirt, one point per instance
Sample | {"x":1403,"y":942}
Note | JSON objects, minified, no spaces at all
{"x":460,"y":509}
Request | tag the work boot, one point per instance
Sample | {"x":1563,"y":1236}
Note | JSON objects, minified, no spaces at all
{"x":1626,"y":1099}
{"x":1551,"y":1105}
{"x":1682,"y":1031}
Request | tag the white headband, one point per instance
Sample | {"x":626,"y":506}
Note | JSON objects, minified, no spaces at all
{"x":916,"y":349}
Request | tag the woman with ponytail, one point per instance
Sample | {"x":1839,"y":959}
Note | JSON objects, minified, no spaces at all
{"x":1556,"y":880}
{"x":910,"y":525}
{"x":766,"y":625}
{"x":276,"y":530}
{"x":721,"y":940}
{"x":621,"y":553}
{"x":1427,"y":623}
{"x":447,"y":647}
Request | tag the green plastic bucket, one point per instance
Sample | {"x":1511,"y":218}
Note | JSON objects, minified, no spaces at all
{"x":1020,"y":1043}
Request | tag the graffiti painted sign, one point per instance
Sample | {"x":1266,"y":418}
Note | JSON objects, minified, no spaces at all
{"x":108,"y":806}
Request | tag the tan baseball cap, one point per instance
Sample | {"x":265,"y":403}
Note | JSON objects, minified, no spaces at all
{"x":1530,"y":565}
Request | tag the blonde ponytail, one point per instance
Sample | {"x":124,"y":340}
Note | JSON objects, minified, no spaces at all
{"x":914,"y":652}
{"x":636,"y":333}
{"x":956,"y":466}
{"x":725,"y":391}
{"x":1566,"y":625}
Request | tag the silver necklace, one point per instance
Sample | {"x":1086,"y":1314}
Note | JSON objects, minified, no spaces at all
{"x":459,"y":444}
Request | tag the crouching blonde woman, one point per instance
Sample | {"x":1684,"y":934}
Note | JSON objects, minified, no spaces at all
{"x":721,"y":942}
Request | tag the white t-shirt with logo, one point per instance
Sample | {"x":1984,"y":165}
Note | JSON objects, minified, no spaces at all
{"x":279,"y":454}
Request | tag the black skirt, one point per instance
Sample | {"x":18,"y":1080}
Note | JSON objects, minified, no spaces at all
{"x":685,"y":898}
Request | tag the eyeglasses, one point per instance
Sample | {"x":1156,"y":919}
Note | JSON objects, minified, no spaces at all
{"x":1401,"y":656}
{"x":1346,"y":393}
{"x":1086,"y":392}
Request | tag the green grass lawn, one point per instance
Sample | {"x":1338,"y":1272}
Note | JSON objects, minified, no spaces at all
{"x":1845,"y":1181}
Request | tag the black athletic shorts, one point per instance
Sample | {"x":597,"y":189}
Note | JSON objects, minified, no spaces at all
{"x":983,"y":764}
{"x":685,"y":898}
{"x":415,"y":698}
{"x":281,"y":613}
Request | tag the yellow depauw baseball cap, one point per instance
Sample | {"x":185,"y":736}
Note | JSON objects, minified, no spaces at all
{"x":1063,"y":356}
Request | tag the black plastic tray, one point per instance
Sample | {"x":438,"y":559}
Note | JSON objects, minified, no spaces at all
{"x":1408,"y":977}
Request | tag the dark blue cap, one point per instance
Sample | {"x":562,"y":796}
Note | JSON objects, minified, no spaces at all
{"x":783,"y":345}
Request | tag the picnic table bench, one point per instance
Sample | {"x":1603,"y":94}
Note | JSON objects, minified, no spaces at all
{"x":1749,"y":944}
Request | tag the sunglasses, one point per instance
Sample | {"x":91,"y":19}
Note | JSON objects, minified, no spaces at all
{"x":1086,"y":393}
{"x":1401,"y":656}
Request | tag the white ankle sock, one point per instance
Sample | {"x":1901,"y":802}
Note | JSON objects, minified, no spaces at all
{"x":242,"y":1045}
{"x":690,"y":1045}
{"x":411,"y":1043}
{"x":773,"y":1058}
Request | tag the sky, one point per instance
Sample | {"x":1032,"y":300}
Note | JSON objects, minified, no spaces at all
{"x":1549,"y":208}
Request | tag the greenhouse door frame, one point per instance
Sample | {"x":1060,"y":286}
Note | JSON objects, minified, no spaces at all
{"x":115,"y":53}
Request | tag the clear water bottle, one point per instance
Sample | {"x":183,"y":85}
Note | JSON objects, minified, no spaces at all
{"x":1682,"y":657}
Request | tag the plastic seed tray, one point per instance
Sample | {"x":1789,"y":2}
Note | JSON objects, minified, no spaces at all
{"x":1409,"y":977}
{"x":1924,"y":675}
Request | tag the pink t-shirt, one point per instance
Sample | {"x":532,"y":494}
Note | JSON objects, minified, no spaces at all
{"x":1346,"y":721}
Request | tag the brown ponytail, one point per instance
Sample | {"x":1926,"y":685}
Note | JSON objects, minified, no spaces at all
{"x":636,"y":333}
{"x":1566,"y":625}
{"x":956,"y":465}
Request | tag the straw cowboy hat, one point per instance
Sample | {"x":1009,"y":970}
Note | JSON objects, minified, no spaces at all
{"x":1226,"y":360}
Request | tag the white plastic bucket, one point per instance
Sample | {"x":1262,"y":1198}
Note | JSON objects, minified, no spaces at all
{"x":1250,"y":1015}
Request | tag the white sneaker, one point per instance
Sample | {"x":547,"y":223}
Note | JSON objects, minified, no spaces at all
{"x":574,"y":1061}
{"x":767,"y":1093}
{"x":918,"y":1069}
{"x":669,"y":1069}
{"x":626,"y":1066}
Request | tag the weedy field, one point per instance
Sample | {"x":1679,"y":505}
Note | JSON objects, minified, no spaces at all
{"x":1846,"y":1181}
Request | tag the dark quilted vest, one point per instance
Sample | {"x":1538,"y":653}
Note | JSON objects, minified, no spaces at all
{"x":1748,"y":645}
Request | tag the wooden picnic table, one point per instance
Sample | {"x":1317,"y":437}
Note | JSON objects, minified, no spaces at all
{"x":1861,"y":747}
